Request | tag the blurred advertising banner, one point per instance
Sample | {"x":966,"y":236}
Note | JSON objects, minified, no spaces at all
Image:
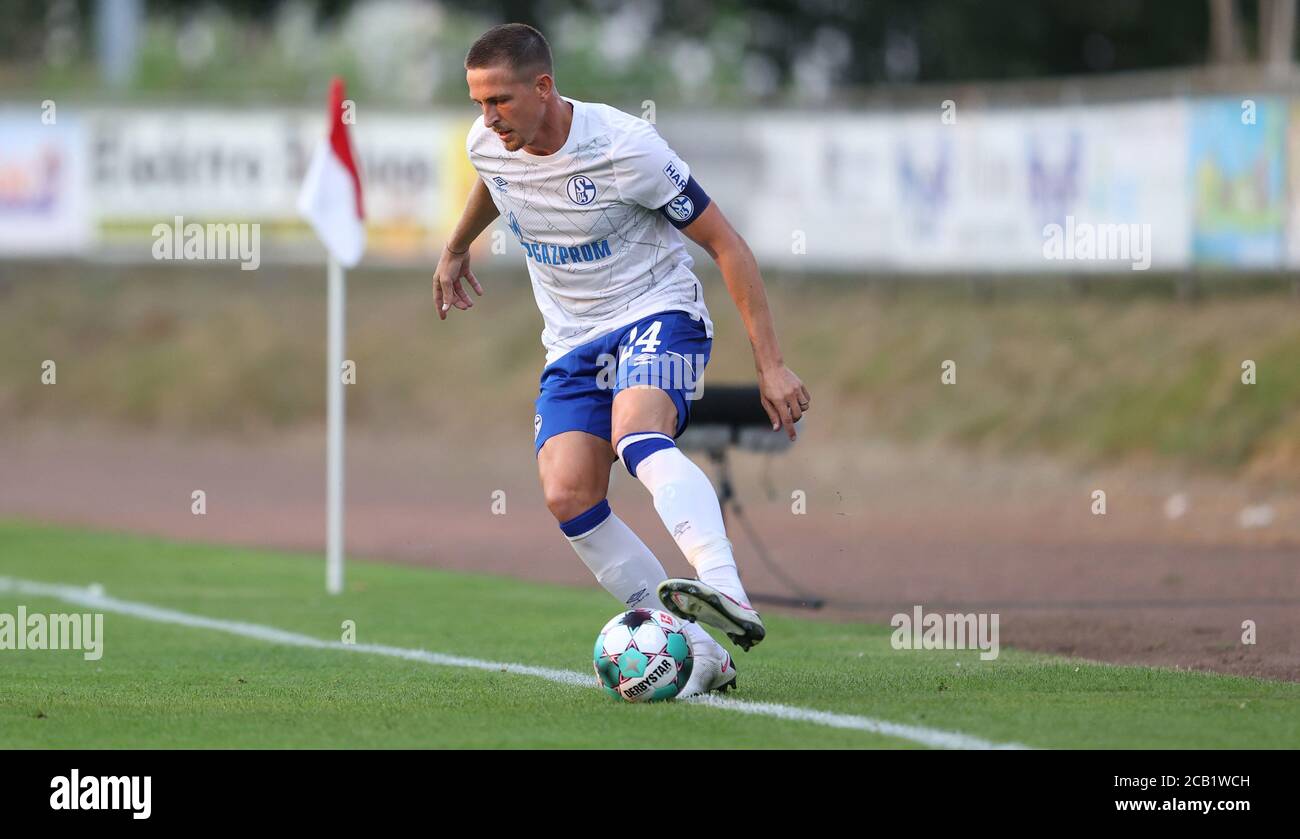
{"x":1162,"y":184}
{"x":1236,"y":159}
{"x":148,"y":166}
{"x":42,"y":183}
{"x":992,"y":191}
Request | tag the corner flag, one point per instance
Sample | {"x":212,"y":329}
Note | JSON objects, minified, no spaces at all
{"x":331,"y":201}
{"x":331,"y":195}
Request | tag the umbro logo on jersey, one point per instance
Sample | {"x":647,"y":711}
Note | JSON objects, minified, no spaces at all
{"x":500,"y":182}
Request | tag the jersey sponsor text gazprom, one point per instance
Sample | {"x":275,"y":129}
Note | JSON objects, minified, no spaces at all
{"x":561,"y":255}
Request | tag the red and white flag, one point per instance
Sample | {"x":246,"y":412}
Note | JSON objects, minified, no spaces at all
{"x":331,"y":195}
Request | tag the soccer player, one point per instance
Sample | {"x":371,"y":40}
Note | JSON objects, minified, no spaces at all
{"x":598,"y":203}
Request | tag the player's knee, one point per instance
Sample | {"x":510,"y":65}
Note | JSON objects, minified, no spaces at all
{"x":643,"y":409}
{"x":568,"y":499}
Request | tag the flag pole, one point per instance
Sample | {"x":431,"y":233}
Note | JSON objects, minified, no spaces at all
{"x":334,"y":430}
{"x":330,"y":200}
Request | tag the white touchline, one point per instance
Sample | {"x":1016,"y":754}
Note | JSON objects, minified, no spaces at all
{"x":934,"y":737}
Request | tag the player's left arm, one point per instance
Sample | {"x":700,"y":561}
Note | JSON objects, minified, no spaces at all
{"x":784,"y":396}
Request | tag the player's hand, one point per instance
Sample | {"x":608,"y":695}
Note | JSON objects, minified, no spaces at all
{"x":447,"y":288}
{"x":784,"y":397}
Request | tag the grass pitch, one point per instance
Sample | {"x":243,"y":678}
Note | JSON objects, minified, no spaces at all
{"x":164,"y":685}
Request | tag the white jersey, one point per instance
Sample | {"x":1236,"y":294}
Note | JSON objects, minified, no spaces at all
{"x":599,"y":252}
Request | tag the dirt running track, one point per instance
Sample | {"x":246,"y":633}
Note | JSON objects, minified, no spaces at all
{"x":884,"y":530}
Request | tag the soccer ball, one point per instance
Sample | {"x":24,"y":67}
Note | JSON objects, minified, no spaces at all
{"x":642,"y":656}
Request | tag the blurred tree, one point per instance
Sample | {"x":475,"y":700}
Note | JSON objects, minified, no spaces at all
{"x":871,"y":41}
{"x":725,"y":50}
{"x":1226,"y":46}
{"x":1277,"y":34}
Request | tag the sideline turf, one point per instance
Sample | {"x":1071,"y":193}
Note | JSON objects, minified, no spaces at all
{"x":165,"y":686}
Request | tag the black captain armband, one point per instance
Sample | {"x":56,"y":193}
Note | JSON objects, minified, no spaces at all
{"x":689,"y":205}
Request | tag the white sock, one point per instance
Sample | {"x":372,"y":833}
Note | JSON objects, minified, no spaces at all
{"x":619,"y":559}
{"x":688,"y":506}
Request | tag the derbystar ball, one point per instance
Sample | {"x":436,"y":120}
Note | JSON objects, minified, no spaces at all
{"x":643,"y":656}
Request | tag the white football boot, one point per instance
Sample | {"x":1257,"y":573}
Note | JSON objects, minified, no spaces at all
{"x":693,"y":600}
{"x":713,"y":669}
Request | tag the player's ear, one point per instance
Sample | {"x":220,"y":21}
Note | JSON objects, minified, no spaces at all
{"x":544,"y":85}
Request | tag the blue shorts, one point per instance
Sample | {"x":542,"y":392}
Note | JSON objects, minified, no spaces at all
{"x":668,"y":350}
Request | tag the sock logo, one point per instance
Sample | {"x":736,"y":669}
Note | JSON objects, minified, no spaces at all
{"x":682,"y":527}
{"x":121,"y":792}
{"x":635,"y":598}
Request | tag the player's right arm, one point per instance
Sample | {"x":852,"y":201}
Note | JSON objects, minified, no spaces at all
{"x":453,"y":265}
